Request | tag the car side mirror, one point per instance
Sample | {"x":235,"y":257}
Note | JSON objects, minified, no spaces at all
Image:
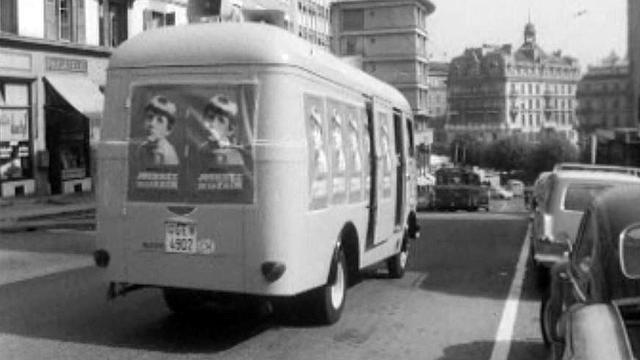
{"x":630,"y":251}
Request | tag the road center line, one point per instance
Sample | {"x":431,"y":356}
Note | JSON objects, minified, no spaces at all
{"x":507,"y":321}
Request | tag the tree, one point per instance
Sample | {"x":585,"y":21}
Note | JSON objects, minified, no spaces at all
{"x":550,"y":151}
{"x":507,"y":154}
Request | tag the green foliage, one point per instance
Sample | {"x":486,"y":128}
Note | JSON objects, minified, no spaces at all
{"x":548,"y":152}
{"x":513,"y":153}
{"x":508,"y":154}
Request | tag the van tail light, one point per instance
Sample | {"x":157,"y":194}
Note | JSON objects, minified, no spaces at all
{"x":101,"y":257}
{"x":272,"y":270}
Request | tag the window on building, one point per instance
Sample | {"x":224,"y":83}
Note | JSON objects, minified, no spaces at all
{"x":537,"y":88}
{"x":9,"y":16}
{"x":65,"y":20}
{"x":351,"y":43}
{"x":15,"y":119}
{"x":353,"y":20}
{"x":155,"y":19}
{"x":117,"y":25}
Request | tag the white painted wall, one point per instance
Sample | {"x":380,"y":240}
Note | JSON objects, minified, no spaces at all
{"x":31,"y":18}
{"x":92,"y":22}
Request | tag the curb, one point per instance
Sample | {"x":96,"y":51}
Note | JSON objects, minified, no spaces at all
{"x":31,"y":214}
{"x":24,"y":226}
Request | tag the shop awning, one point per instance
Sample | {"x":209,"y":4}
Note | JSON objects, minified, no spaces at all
{"x":80,"y":92}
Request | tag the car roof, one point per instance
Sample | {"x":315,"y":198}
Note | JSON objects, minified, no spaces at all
{"x":619,"y":207}
{"x":589,"y":176}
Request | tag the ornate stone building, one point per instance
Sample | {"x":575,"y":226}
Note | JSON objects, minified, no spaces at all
{"x":494,"y":91}
{"x":604,"y":97}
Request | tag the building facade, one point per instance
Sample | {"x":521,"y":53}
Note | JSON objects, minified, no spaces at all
{"x":390,"y":39}
{"x":633,"y":48}
{"x":53,"y":60}
{"x":309,"y":19}
{"x":604,"y":97}
{"x":495,"y":91}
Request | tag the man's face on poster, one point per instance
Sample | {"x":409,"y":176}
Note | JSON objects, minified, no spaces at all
{"x":157,"y":125}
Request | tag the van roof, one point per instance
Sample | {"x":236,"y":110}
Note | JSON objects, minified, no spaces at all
{"x":211,"y":44}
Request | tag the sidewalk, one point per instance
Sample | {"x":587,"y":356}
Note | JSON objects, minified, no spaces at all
{"x":32,"y":213}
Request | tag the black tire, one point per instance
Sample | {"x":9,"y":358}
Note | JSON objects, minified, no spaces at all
{"x":542,"y":275}
{"x":184,"y":301}
{"x":397,"y":264}
{"x":327,"y":302}
{"x":550,"y":312}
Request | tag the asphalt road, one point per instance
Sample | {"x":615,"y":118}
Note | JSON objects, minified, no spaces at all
{"x":452,"y":304}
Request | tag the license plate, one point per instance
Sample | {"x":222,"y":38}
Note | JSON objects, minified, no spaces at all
{"x":180,"y":237}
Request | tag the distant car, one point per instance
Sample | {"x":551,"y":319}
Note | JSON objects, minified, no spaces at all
{"x":516,"y":187}
{"x":498,"y":192}
{"x":592,"y":308}
{"x":557,"y":215}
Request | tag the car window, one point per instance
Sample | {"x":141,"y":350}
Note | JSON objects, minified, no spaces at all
{"x":584,"y":240}
{"x":578,"y":196}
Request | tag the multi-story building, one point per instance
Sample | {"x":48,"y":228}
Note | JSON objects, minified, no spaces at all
{"x":390,"y":38}
{"x":604,"y":97}
{"x":53,"y":57}
{"x":633,"y":42}
{"x":495,"y":91}
{"x":307,"y":18}
{"x":437,"y":94}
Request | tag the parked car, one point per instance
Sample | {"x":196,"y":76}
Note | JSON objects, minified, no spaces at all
{"x":592,"y":308}
{"x":498,"y":192}
{"x":557,"y":215}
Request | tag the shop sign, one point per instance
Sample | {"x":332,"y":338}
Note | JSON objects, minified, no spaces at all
{"x":65,"y":64}
{"x":9,"y":60}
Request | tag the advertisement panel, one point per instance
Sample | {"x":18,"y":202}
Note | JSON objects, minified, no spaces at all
{"x":338,"y":153}
{"x":355,"y":158}
{"x":192,"y":143}
{"x":317,"y":150}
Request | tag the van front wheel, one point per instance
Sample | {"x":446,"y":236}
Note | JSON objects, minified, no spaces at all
{"x":328,"y":301}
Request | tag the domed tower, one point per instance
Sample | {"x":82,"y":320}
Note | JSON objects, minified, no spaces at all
{"x":529,"y":33}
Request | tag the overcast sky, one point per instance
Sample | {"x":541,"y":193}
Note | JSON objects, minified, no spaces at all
{"x":586,"y":29}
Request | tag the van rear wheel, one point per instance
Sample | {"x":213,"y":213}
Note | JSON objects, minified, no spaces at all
{"x":327,"y":302}
{"x":183,"y":301}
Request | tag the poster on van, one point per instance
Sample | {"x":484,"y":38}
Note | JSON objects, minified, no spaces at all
{"x":354,"y":154}
{"x":338,"y":153}
{"x":317,"y":150}
{"x":385,"y":152}
{"x":192,"y":143}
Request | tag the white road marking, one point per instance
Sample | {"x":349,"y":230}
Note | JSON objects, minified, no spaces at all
{"x":71,"y":231}
{"x":24,"y":265}
{"x":507,"y":321}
